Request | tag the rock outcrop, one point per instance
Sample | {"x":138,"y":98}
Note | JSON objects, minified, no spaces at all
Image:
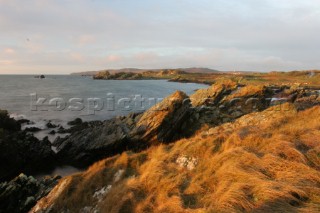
{"x":21,"y":151}
{"x":91,"y":141}
{"x":161,"y":123}
{"x":8,"y":123}
{"x":175,"y":117}
{"x":22,"y":193}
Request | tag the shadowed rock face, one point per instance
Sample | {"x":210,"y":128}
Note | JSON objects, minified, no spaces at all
{"x":8,"y":123}
{"x":20,"y":151}
{"x":173,"y":118}
{"x":161,"y":123}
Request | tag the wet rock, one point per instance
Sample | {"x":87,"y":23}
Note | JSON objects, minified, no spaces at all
{"x":75,"y":122}
{"x":8,"y":123}
{"x":21,"y":151}
{"x":61,"y":130}
{"x":51,"y":125}
{"x":52,"y":132}
{"x":23,"y":121}
{"x":21,"y":194}
{"x":32,"y":129}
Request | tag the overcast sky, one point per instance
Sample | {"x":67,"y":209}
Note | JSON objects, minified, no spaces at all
{"x":63,"y":36}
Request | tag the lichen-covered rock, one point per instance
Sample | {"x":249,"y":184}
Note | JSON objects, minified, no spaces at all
{"x":45,"y":204}
{"x":162,"y":122}
{"x":213,"y":94}
{"x":21,"y":194}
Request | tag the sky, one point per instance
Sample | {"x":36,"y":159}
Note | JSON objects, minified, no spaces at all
{"x":64,"y":36}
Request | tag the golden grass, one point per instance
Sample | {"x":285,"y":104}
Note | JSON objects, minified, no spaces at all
{"x":270,"y":164}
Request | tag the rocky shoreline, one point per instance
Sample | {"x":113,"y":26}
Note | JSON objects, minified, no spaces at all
{"x":177,"y":116}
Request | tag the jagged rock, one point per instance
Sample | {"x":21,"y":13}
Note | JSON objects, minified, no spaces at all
{"x":51,"y":125}
{"x":162,"y":122}
{"x":21,"y":194}
{"x":46,"y":204}
{"x":8,"y":123}
{"x":32,"y":129}
{"x":52,"y":132}
{"x":75,"y":122}
{"x":212,"y":95}
{"x":20,"y":151}
{"x":246,"y":100}
{"x":93,"y":140}
{"x":23,"y":121}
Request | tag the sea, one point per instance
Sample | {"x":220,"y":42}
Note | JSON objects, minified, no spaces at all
{"x":62,"y":98}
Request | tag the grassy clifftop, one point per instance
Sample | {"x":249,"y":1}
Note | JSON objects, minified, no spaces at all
{"x":265,"y":161}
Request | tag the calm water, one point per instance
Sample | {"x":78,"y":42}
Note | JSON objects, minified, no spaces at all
{"x":100,"y":100}
{"x":76,"y":96}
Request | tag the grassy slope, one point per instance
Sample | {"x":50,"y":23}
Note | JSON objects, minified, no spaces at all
{"x":264,"y":162}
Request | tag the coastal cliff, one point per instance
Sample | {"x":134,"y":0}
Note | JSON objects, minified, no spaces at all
{"x":187,"y":149}
{"x":251,"y":162}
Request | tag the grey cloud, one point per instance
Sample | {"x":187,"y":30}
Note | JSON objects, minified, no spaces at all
{"x":80,"y":35}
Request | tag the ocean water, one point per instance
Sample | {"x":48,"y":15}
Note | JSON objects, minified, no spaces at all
{"x":60,"y":99}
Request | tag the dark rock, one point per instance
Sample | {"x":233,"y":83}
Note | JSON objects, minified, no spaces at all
{"x":50,"y":125}
{"x":75,"y":122}
{"x":92,"y":141}
{"x":23,"y":121}
{"x":96,"y":140}
{"x":52,"y":132}
{"x":8,"y":123}
{"x":21,"y":194}
{"x":40,"y":76}
{"x":22,"y":152}
{"x":32,"y":129}
{"x":61,"y":130}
